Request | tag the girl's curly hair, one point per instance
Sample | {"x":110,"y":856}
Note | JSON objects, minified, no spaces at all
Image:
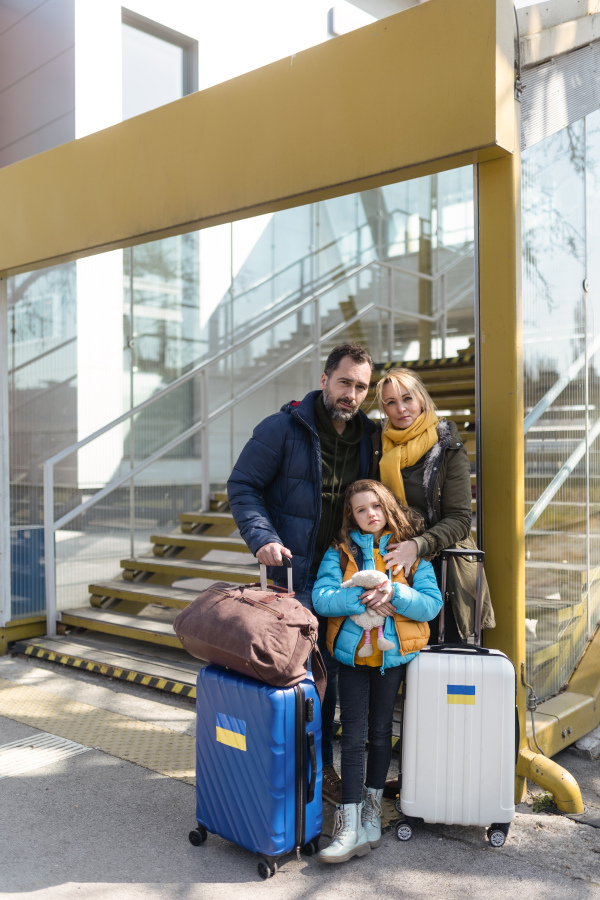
{"x":404,"y":522}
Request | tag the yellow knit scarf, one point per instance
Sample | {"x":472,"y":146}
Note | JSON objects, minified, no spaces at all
{"x":403,"y":448}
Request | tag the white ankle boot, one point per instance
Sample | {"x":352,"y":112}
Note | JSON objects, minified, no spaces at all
{"x":349,"y":837}
{"x":371,"y":815}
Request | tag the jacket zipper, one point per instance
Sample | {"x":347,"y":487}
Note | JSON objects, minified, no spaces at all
{"x":260,"y":605}
{"x":300,"y":769}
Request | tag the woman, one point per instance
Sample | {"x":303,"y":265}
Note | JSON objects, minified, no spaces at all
{"x":425,"y":464}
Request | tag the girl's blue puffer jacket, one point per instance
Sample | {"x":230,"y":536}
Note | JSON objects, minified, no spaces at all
{"x":421,"y":602}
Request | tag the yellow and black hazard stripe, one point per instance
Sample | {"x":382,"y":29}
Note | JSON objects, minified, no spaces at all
{"x":163,"y":684}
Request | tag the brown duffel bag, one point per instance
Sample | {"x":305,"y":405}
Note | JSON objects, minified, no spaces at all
{"x":256,"y":630}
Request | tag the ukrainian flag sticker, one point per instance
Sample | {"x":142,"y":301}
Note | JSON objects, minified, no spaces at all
{"x":231,"y":731}
{"x":463,"y":694}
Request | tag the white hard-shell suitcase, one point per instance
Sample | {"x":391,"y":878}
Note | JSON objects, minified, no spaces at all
{"x":458,"y":736}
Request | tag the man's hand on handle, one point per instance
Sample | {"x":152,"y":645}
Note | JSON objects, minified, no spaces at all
{"x":271,"y":554}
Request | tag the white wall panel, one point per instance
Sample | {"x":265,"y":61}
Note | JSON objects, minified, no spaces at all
{"x":39,"y":99}
{"x":58,"y":132}
{"x":36,"y":40}
{"x":13,"y":11}
{"x":37,"y":76}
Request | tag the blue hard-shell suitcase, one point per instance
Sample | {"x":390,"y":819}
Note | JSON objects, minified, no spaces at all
{"x":258,"y":765}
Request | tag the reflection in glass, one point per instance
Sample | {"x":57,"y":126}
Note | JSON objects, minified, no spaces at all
{"x":152,"y":71}
{"x":561,"y":392}
{"x":249,"y":310}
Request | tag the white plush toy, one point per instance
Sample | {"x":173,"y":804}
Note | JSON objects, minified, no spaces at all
{"x":370,"y":578}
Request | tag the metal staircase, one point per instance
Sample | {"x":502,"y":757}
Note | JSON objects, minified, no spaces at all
{"x":130,"y":617}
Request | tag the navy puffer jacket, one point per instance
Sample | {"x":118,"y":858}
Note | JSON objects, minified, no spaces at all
{"x":274,"y":490}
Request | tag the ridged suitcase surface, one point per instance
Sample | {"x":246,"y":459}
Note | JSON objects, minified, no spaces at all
{"x":458,"y":745}
{"x":253,"y":752}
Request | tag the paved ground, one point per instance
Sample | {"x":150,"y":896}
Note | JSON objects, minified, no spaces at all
{"x":98,"y":826}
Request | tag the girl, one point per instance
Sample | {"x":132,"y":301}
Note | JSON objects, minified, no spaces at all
{"x":368,"y":685}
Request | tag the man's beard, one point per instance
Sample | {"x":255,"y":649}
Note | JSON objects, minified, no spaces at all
{"x":334,"y":410}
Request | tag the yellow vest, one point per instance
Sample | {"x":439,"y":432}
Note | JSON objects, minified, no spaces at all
{"x":412,"y":636}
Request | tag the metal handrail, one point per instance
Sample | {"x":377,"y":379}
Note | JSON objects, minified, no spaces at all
{"x":223,"y":354}
{"x":561,"y":476}
{"x":50,"y":525}
{"x":558,"y":387}
{"x":197,"y":370}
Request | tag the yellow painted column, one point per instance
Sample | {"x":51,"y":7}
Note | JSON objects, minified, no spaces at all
{"x":502,"y":406}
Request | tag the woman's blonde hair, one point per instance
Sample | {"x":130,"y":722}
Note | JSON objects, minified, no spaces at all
{"x":404,"y":380}
{"x":404,"y":522}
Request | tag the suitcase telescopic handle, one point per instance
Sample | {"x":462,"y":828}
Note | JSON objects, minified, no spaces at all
{"x":312,"y":756}
{"x":290,"y":578}
{"x":479,"y":556}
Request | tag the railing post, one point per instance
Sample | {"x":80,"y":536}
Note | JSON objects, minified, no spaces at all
{"x":317,"y":342}
{"x":204,"y":443}
{"x":49,"y":549}
{"x":132,"y":488}
{"x":391,"y":336}
{"x":444,"y":316}
{"x":5,"y":585}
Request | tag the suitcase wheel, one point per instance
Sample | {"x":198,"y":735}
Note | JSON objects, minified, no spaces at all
{"x":266,"y":870}
{"x":312,"y":847}
{"x":497,"y":835}
{"x":398,"y":805}
{"x":404,"y":831}
{"x":198,"y":836}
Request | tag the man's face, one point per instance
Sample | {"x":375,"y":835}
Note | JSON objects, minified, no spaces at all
{"x":346,"y":388}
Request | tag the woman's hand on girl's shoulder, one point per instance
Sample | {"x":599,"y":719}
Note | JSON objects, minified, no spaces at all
{"x":401,"y":556}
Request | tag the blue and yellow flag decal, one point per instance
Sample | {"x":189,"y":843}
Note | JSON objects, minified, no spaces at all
{"x":231,"y":731}
{"x":461,"y":693}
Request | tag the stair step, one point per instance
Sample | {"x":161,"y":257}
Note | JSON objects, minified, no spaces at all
{"x":140,"y":628}
{"x":143,"y":592}
{"x":207,"y":518}
{"x":192,"y":569}
{"x":173,"y":671}
{"x":554,"y":566}
{"x":204,"y":541}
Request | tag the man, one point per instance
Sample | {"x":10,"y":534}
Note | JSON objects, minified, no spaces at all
{"x":286,"y":492}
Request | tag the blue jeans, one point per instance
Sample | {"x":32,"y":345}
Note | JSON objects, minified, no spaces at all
{"x":367,"y":699}
{"x":331,"y":667}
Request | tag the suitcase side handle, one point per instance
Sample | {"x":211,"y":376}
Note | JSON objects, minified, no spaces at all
{"x":290,"y":581}
{"x":312,"y":756}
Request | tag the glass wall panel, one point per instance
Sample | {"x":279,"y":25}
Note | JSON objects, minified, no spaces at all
{"x":592,"y":128}
{"x":152,"y":71}
{"x":221,"y":326}
{"x":561,"y":212}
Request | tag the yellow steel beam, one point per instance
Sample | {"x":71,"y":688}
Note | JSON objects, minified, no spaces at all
{"x":427,"y":89}
{"x":19,"y":629}
{"x":502,"y":406}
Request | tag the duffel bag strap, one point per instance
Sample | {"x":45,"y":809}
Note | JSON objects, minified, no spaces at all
{"x":319,"y":672}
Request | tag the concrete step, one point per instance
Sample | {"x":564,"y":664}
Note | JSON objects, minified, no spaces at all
{"x":205,"y":542}
{"x":185,"y":568}
{"x":143,"y":592}
{"x":207,"y":518}
{"x":140,"y":628}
